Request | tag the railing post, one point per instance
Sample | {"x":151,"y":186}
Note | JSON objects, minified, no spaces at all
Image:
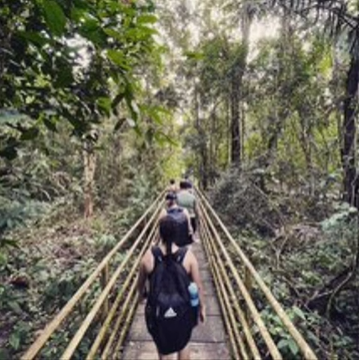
{"x":248,"y":283}
{"x":104,"y":281}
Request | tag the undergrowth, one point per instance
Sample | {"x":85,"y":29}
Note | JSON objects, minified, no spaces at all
{"x":310,"y":266}
{"x":44,"y":259}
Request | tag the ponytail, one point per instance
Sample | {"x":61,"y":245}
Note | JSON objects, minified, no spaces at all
{"x":167,"y":233}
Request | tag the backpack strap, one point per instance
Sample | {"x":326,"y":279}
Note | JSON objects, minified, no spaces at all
{"x":157,"y":254}
{"x":175,"y":210}
{"x":181,"y":253}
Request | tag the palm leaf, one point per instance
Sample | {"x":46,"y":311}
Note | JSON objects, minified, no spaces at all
{"x":335,"y":14}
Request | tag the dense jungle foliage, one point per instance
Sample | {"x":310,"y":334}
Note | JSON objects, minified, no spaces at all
{"x":102,"y":102}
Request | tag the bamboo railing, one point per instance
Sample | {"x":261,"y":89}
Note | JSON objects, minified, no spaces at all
{"x":234,"y":285}
{"x":111,"y":293}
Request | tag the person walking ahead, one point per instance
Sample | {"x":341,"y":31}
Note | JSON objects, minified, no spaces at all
{"x":187,"y":200}
{"x":184,"y":233}
{"x":172,"y":309}
{"x":172,"y":186}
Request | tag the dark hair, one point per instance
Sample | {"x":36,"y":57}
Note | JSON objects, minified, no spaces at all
{"x":171,"y":196}
{"x":167,"y":232}
{"x":172,"y":182}
{"x":183,"y":184}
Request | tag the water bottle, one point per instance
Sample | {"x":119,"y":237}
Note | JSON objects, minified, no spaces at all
{"x":193,"y":294}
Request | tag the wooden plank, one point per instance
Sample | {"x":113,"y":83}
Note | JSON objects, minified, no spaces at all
{"x":147,"y":351}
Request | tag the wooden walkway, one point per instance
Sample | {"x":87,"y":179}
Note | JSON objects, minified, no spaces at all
{"x":208,"y":340}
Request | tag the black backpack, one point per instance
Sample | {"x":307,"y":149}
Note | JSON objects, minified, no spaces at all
{"x":169,"y":315}
{"x":182,"y":237}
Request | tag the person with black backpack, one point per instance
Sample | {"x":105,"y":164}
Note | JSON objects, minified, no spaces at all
{"x":184,"y":233}
{"x":172,"y":309}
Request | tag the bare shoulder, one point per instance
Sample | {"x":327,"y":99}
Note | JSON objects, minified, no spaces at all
{"x":147,"y":261}
{"x":190,"y":258}
{"x":163,"y":213}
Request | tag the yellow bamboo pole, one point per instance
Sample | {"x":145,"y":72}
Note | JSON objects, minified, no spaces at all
{"x":125,"y":327}
{"x":124,"y":308}
{"x":104,"y":280}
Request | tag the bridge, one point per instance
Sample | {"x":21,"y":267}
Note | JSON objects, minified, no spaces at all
{"x":103,"y":319}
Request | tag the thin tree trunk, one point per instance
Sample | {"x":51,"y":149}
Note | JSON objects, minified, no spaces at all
{"x":235,"y":128}
{"x":89,"y":178}
{"x":203,"y":166}
{"x":351,"y":183}
{"x":237,"y":93}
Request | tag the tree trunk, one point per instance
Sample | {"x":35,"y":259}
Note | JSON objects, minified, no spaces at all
{"x":235,"y":128}
{"x":89,"y":178}
{"x":203,"y":164}
{"x":351,"y":183}
{"x":237,"y":93}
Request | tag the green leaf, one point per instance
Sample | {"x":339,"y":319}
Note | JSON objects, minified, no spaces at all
{"x":33,"y":37}
{"x":299,"y":312}
{"x":293,"y":347}
{"x":50,"y":125}
{"x":14,"y":341}
{"x":3,"y":262}
{"x":30,"y":134}
{"x":54,"y":17}
{"x":92,"y":30}
{"x":282,"y":344}
{"x":105,"y":104}
{"x":118,"y":58}
{"x":15,"y":307}
{"x":8,"y":242}
{"x":114,"y":34}
{"x":64,"y":78}
{"x":147,"y":18}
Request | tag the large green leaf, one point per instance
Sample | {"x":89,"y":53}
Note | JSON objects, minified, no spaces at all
{"x":33,"y":37}
{"x":118,"y":58}
{"x":147,"y":18}
{"x":54,"y":16}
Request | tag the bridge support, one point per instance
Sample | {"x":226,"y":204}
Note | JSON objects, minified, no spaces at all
{"x":104,"y":281}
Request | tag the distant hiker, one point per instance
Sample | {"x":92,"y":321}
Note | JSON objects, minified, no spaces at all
{"x":189,"y":183}
{"x":172,"y":187}
{"x":184,"y":232}
{"x":187,"y":200}
{"x":172,"y":309}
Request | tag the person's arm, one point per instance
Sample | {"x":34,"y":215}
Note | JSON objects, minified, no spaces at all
{"x":196,"y":277}
{"x":190,"y":229}
{"x":195,"y":208}
{"x":162,"y":214}
{"x":141,"y":281}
